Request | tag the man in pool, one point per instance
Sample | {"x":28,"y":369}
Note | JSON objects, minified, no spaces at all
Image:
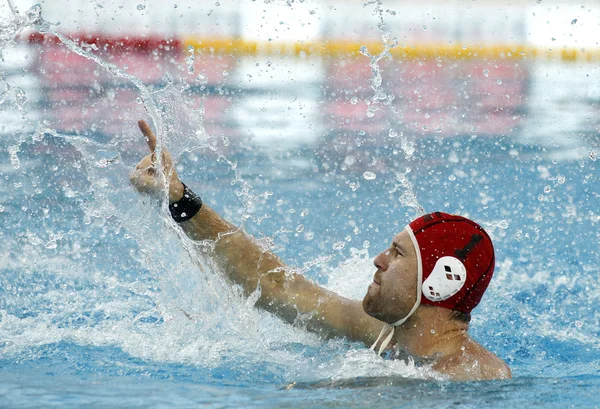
{"x":427,"y":281}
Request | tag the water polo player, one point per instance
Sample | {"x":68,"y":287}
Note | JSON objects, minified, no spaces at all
{"x":426,"y":284}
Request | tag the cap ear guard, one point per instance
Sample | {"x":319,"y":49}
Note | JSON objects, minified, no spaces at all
{"x":447,"y":278}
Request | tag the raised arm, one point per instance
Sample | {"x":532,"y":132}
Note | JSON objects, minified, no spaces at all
{"x":246,"y":263}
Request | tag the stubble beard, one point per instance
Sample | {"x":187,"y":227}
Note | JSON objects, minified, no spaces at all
{"x":374,"y":306}
{"x":371,"y":305}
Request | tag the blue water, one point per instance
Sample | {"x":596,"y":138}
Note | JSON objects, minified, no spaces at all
{"x":94,"y":278}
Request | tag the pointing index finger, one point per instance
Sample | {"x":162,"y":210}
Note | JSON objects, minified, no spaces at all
{"x":150,"y":137}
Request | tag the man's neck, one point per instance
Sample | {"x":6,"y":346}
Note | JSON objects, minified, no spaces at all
{"x":430,"y":332}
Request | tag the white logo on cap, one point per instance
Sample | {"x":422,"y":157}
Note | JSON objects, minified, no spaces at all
{"x":446,"y":279}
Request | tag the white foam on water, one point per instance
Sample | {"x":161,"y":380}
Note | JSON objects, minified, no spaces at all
{"x":224,"y":328}
{"x":563,"y":296}
{"x":352,"y":277}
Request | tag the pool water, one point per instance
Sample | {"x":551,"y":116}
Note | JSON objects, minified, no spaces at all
{"x":94,"y":278}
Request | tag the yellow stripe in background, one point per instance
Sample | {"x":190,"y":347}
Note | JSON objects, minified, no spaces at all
{"x":341,"y":48}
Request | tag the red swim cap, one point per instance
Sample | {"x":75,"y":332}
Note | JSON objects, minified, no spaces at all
{"x":455,"y":259}
{"x":455,"y":263}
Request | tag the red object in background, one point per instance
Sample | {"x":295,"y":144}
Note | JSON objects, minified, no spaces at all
{"x":144,"y":58}
{"x":431,"y":97}
{"x":82,"y":95}
{"x":112,"y":44}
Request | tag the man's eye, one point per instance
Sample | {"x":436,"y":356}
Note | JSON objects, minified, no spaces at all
{"x":398,"y":251}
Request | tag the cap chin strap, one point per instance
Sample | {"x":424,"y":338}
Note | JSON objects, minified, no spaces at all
{"x":392,"y":327}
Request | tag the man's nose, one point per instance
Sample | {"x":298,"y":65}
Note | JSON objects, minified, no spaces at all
{"x":381,"y":261}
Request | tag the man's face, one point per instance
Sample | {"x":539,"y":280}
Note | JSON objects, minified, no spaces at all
{"x":392,"y":293}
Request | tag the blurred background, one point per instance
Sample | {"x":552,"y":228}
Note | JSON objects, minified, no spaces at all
{"x":242,"y":44}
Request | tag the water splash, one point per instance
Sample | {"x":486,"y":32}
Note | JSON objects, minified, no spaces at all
{"x":407,"y":146}
{"x":189,"y":60}
{"x":183,"y":311}
{"x":35,"y":20}
{"x":408,"y":198}
{"x":369,"y":175}
{"x":379,"y":96}
{"x":11,"y":28}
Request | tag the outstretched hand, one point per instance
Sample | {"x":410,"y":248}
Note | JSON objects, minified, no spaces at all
{"x":145,"y":177}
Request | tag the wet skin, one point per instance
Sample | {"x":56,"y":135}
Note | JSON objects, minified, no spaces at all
{"x":392,"y":293}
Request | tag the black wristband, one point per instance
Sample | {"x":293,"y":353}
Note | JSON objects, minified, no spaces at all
{"x":186,"y":207}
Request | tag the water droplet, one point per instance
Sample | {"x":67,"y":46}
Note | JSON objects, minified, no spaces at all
{"x":339,"y":245}
{"x":20,"y":98}
{"x":499,"y":82}
{"x":502,"y":224}
{"x":300,"y":228}
{"x":561,"y":179}
{"x":574,"y":21}
{"x":366,"y":244}
{"x":593,"y":155}
{"x":547,"y":189}
{"x":14,"y":158}
{"x":392,"y":133}
{"x":141,"y":7}
{"x":486,"y":73}
{"x":139,"y":100}
{"x":371,"y":111}
{"x":189,"y":60}
{"x":407,"y":147}
{"x":312,"y":12}
{"x":354,"y":100}
{"x":369,"y":175}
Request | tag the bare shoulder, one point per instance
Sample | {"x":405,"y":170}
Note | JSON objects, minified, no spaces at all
{"x":473,"y":363}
